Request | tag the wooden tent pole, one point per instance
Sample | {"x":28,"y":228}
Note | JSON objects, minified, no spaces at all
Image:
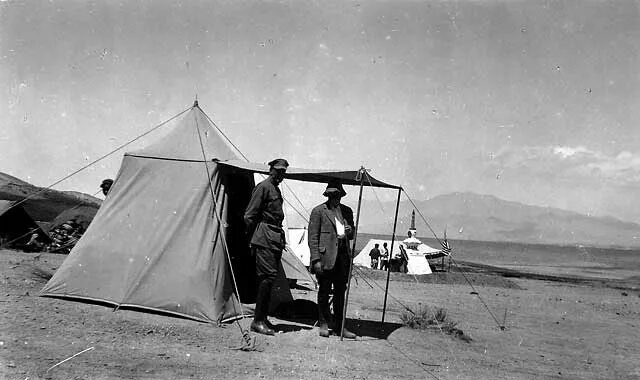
{"x":353,"y":249}
{"x":393,"y":239}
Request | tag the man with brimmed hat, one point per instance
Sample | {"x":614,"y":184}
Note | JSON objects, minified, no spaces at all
{"x":263,"y":218}
{"x":330,"y":229}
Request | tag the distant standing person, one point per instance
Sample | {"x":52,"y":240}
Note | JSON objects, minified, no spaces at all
{"x":106,"y":186}
{"x":330,"y":229}
{"x":263,"y":218}
{"x":375,"y":256}
{"x":384,"y":263}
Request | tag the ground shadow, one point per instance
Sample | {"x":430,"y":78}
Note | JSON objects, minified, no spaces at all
{"x":300,"y":311}
{"x":372,"y":329}
{"x":304,"y":312}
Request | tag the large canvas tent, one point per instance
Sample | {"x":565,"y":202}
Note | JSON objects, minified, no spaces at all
{"x":170,"y":235}
{"x":163,"y":238}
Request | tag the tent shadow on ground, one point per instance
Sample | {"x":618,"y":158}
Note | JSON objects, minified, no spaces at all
{"x":372,"y":329}
{"x":305,"y":314}
{"x":300,"y":311}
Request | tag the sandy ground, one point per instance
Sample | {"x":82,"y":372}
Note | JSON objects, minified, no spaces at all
{"x":554,"y":329}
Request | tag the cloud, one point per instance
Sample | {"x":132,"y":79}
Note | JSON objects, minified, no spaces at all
{"x":577,"y":162}
{"x":567,"y":151}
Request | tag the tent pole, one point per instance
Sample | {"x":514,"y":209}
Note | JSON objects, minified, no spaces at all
{"x":393,"y":239}
{"x":353,"y":249}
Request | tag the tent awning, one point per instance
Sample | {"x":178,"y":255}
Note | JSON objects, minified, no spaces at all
{"x":346,"y":177}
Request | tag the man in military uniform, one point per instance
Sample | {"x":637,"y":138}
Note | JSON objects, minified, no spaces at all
{"x":263,"y":218}
{"x":330,"y":229}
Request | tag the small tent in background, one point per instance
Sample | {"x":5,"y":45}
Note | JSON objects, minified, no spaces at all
{"x":294,"y":268}
{"x":418,"y":263}
{"x":17,"y":226}
{"x":164,"y":237}
{"x":298,"y":241}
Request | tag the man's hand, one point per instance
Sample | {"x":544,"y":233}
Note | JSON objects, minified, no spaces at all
{"x":317,"y":267}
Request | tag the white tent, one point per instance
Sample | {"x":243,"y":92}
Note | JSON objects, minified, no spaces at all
{"x":417,"y":264}
{"x":298,"y":241}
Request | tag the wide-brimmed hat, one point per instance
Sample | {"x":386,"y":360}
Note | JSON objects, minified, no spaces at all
{"x":279,"y":163}
{"x":334,"y":187}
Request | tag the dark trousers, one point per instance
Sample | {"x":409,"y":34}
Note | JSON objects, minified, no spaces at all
{"x":335,"y":278}
{"x":267,"y":264}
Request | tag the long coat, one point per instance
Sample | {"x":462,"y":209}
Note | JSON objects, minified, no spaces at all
{"x":263,"y":216}
{"x":323,"y":237}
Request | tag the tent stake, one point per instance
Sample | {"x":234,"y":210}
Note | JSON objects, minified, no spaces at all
{"x":393,"y":239}
{"x":362,"y":173}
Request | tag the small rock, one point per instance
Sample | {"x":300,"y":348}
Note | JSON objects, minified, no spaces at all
{"x":625,"y":294}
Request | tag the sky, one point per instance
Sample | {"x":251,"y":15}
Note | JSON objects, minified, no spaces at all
{"x":531,"y":101}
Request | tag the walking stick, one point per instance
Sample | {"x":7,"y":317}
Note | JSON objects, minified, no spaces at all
{"x":361,"y":173}
{"x":393,"y":239}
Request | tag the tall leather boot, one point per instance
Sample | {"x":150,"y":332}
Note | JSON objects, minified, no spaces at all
{"x":262,"y":306}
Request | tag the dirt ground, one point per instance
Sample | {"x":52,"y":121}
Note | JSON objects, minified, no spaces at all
{"x":554,"y":329}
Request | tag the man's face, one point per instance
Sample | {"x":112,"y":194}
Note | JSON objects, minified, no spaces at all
{"x":334,"y":198}
{"x":277,"y":175}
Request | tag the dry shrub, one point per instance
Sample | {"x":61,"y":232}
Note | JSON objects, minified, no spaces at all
{"x":426,"y":318}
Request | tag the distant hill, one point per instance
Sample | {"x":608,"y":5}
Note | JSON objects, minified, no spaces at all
{"x":46,"y":205}
{"x":471,"y":216}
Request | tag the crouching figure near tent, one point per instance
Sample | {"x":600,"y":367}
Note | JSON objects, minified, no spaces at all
{"x":263,"y":217}
{"x":330,"y":229}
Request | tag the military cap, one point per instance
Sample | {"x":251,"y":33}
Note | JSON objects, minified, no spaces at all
{"x":279,"y":163}
{"x":334,"y":187}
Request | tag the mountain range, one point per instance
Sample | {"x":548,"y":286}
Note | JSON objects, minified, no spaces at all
{"x":470,"y":216}
{"x":43,"y":204}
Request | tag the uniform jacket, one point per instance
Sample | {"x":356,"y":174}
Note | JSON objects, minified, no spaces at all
{"x":263,"y":216}
{"x":323,"y":238}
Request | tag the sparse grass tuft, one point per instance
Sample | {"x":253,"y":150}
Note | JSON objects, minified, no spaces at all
{"x":426,"y":318}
